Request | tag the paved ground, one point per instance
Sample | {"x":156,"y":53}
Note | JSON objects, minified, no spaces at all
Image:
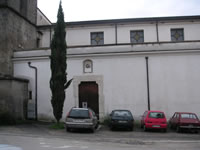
{"x":39,"y":136}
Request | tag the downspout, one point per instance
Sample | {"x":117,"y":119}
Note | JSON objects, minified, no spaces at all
{"x":35,"y":68}
{"x":147,"y":70}
{"x":116,"y":34}
{"x":157,"y":32}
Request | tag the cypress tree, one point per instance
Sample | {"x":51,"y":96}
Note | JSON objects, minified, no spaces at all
{"x":58,"y":64}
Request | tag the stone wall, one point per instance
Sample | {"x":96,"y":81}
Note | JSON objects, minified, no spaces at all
{"x":15,"y":34}
{"x":14,"y":96}
{"x":26,"y":8}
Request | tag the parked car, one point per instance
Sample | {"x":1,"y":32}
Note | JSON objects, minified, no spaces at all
{"x":154,"y":120}
{"x":121,"y":119}
{"x":184,"y":120}
{"x":81,"y":118}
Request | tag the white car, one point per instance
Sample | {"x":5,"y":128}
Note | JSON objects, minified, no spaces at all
{"x":81,"y":118}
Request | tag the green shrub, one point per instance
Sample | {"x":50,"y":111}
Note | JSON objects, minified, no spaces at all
{"x":106,"y":120}
{"x":59,"y":125}
{"x":6,"y":118}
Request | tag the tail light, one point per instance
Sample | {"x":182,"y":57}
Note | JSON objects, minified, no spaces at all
{"x":68,"y":114}
{"x":90,"y":113}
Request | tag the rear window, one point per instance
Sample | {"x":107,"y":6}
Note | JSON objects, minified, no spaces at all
{"x":156,"y":115}
{"x":188,"y":116}
{"x":77,"y":113}
{"x":122,"y":113}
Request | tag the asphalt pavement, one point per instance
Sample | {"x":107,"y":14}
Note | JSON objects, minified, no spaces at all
{"x":36,"y":133}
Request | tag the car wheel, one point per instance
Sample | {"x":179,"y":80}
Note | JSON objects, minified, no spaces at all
{"x":196,"y":131}
{"x":164,"y":130}
{"x":178,"y":129}
{"x":92,"y":130}
{"x":141,"y":126}
{"x":68,"y":129}
{"x":144,"y":127}
{"x":170,"y":126}
{"x":131,"y":128}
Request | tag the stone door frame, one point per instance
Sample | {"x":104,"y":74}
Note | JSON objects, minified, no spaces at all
{"x":87,"y":78}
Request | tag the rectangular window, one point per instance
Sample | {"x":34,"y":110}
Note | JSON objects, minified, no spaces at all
{"x":97,"y":38}
{"x":137,"y":36}
{"x":177,"y":34}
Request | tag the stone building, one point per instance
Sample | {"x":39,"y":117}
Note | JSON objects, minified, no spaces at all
{"x":18,"y":31}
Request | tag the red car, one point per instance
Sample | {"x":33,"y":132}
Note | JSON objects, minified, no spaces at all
{"x":154,"y":120}
{"x":184,"y":120}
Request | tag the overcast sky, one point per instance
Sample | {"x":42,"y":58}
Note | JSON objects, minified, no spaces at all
{"x":82,"y":10}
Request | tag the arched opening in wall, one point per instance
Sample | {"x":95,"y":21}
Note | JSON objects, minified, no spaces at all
{"x":89,"y":96}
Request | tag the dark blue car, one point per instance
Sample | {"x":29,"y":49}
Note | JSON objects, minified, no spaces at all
{"x":121,"y":119}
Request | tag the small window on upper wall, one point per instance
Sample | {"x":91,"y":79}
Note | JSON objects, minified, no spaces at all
{"x":97,"y":38}
{"x":137,"y":36}
{"x":177,"y":34}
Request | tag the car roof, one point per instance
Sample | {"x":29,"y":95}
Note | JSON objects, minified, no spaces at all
{"x":155,"y":111}
{"x":185,"y":112}
{"x":80,"y":108}
{"x":121,"y":110}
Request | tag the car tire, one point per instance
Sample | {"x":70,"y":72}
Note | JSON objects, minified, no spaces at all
{"x":92,"y":130}
{"x":131,"y":128}
{"x":144,"y":127}
{"x":141,"y":126}
{"x":68,"y":129}
{"x":178,"y":129}
{"x":164,"y":130}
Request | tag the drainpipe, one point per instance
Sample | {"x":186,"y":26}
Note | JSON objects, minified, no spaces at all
{"x":147,"y":69}
{"x":157,"y":32}
{"x":116,"y":34}
{"x":35,"y":68}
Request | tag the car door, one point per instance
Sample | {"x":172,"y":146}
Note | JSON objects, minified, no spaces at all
{"x":143,"y":118}
{"x":94,"y":118}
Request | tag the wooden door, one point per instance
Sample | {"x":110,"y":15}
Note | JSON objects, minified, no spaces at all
{"x":88,"y":96}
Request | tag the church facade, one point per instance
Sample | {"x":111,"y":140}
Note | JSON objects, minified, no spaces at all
{"x":136,"y":64}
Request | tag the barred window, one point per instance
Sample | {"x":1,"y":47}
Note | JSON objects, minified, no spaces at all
{"x":97,"y":38}
{"x":177,"y":35}
{"x":137,"y":36}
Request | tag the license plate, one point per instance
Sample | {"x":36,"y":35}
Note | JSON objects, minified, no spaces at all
{"x":122,"y":121}
{"x":155,"y":126}
{"x":78,"y":121}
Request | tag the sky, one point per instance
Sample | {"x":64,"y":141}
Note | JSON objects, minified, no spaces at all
{"x":84,"y":10}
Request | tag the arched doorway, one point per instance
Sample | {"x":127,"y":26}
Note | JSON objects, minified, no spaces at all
{"x":89,"y":96}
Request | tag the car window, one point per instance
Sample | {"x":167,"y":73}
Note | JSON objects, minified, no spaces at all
{"x":156,"y":115}
{"x":188,"y":116}
{"x":79,"y":113}
{"x":145,"y":113}
{"x":122,"y":113}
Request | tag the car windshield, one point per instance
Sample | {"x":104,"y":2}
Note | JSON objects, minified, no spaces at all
{"x":79,"y":113}
{"x":122,"y":113}
{"x":156,"y":115}
{"x":188,"y":116}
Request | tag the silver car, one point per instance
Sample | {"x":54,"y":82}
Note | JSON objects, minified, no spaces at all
{"x":81,"y":118}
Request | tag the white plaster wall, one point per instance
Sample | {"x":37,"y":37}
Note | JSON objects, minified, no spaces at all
{"x":45,"y":41}
{"x":41,"y":19}
{"x":174,"y":82}
{"x":191,"y":30}
{"x":81,"y":36}
{"x":149,"y":32}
